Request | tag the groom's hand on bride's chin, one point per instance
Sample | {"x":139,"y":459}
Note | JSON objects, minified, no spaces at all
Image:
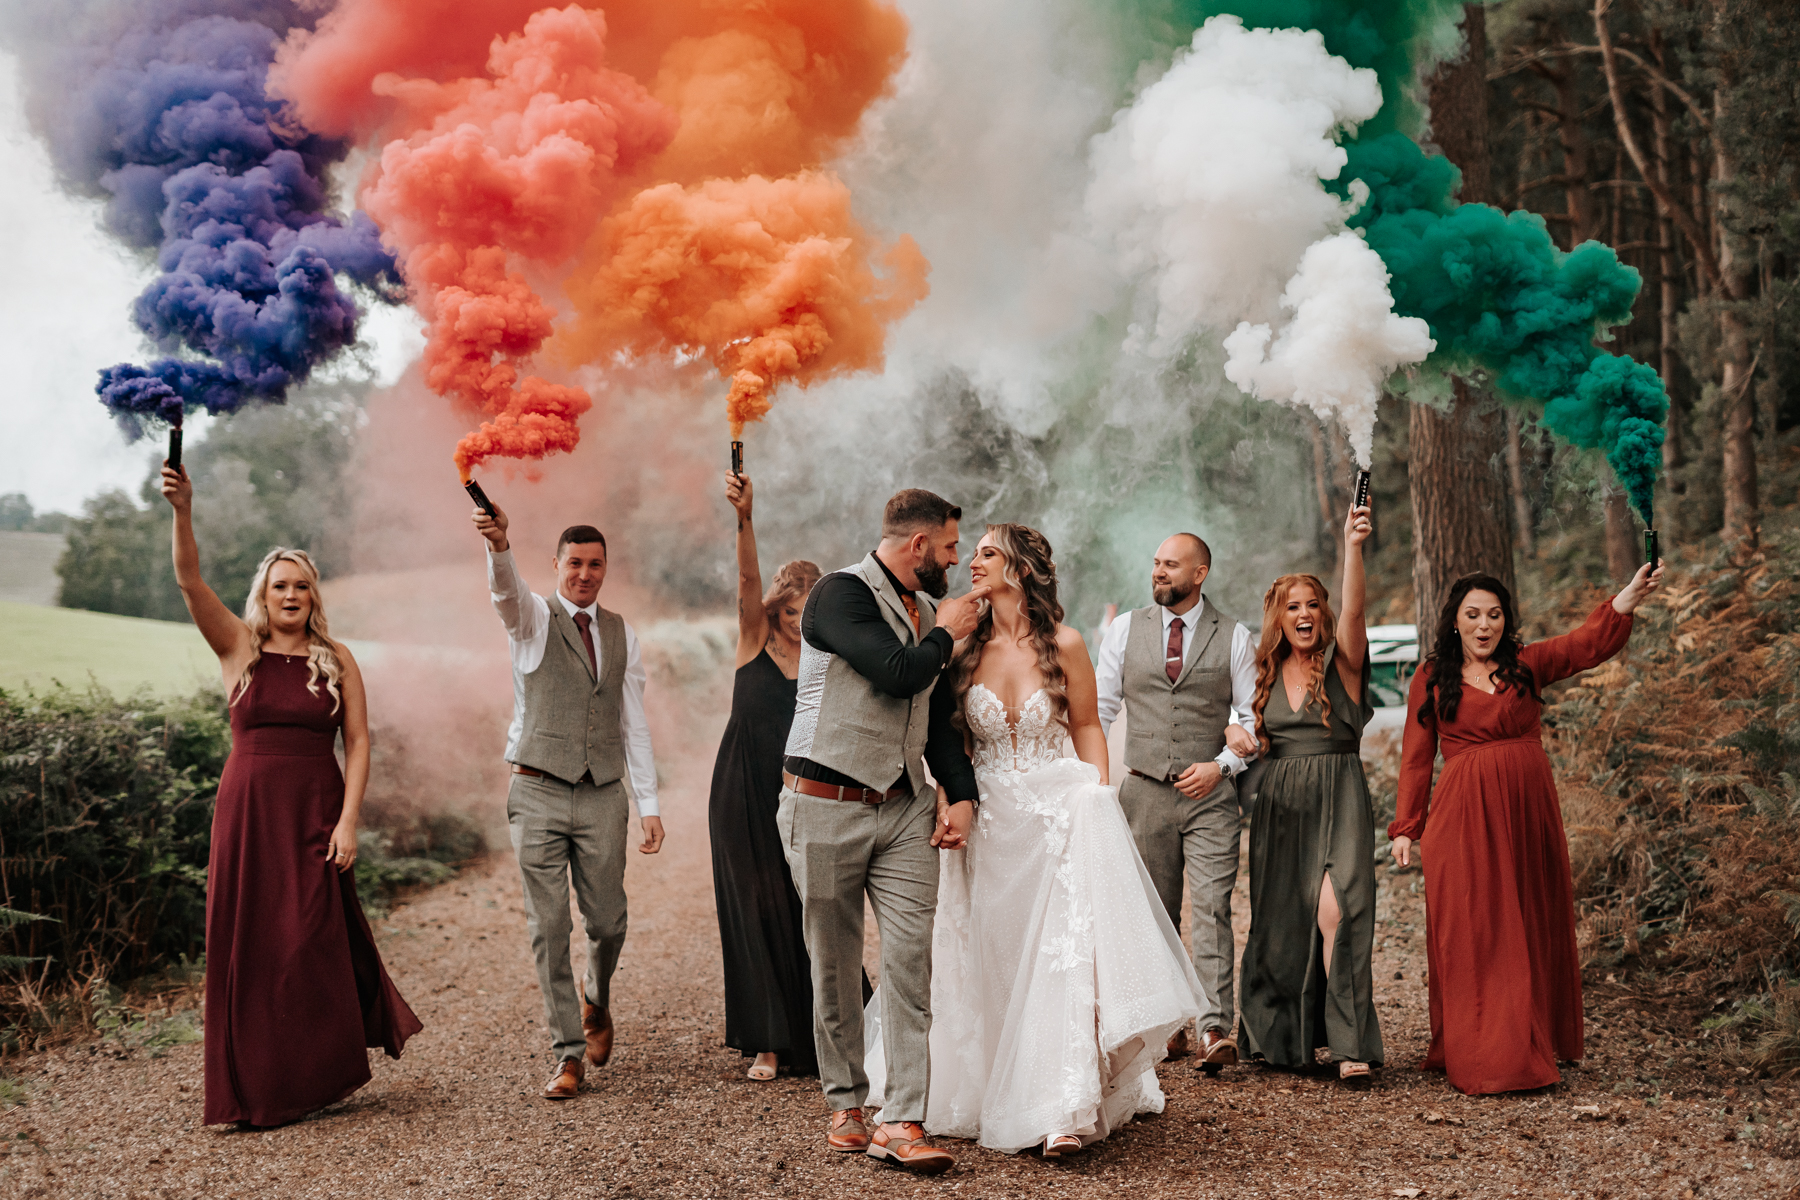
{"x":959,"y":614}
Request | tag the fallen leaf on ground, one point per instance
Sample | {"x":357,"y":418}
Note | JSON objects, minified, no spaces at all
{"x":1589,"y":1112}
{"x":1409,"y":1193}
{"x":1434,"y":1118}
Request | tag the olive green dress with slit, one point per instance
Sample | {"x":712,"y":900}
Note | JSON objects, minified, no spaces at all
{"x":1312,"y":816}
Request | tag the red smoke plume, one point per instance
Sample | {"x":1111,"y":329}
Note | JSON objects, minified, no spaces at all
{"x":511,"y":132}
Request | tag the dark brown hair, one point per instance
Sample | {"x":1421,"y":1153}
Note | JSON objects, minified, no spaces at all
{"x":1443,"y":686}
{"x":579,"y":535}
{"x":1028,"y":567}
{"x":914,"y":509}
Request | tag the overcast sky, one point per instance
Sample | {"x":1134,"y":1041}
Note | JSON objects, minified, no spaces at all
{"x":65,"y":296}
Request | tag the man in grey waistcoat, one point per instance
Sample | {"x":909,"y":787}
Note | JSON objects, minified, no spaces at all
{"x":578,"y":736}
{"x":1186,"y":675}
{"x":858,"y":815}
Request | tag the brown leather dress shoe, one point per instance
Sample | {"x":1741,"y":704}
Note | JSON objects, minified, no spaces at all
{"x":1178,"y":1044}
{"x":596,"y":1023}
{"x":567,"y":1081}
{"x":902,"y":1144}
{"x":849,"y":1133}
{"x":1217,"y":1049}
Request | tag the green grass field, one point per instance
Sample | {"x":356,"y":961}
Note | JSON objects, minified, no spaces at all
{"x":40,"y":646}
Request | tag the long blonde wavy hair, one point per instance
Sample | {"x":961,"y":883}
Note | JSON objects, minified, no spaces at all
{"x":1273,"y":649}
{"x":1027,"y":565}
{"x":322,"y":660}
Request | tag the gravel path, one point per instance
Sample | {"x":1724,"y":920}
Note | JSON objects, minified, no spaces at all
{"x":673,"y":1115}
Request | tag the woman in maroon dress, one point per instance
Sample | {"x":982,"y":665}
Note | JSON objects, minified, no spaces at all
{"x":295,"y":990}
{"x":1505,"y":979}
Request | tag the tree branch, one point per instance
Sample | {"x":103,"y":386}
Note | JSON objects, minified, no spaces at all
{"x":1690,"y":228}
{"x":1566,"y":49}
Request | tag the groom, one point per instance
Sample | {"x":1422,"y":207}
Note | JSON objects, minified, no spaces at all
{"x":1186,"y":674}
{"x":859,"y":816}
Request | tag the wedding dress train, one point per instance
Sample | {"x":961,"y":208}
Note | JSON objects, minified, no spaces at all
{"x":1056,"y":975}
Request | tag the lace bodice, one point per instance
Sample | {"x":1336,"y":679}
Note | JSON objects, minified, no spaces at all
{"x":1034,"y":739}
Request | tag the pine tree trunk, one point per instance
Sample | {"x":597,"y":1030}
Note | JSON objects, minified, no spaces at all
{"x":1669,"y":271}
{"x":1515,"y":472}
{"x":1454,"y":473}
{"x":1742,"y":515}
{"x":1456,"y":461}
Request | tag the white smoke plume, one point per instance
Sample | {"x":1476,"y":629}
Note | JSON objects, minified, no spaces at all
{"x":1342,"y":341}
{"x":1211,"y":186}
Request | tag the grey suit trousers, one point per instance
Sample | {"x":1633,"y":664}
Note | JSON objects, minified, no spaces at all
{"x":565,"y":832}
{"x":838,"y":851}
{"x":1173,"y":833}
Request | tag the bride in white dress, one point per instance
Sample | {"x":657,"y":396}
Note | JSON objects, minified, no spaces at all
{"x":1056,"y":975}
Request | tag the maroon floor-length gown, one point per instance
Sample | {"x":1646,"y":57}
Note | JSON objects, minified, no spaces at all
{"x":1505,"y":982}
{"x":295,"y":989}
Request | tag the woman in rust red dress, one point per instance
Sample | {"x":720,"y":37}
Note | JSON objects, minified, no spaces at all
{"x":1505,"y":979}
{"x":295,"y":990}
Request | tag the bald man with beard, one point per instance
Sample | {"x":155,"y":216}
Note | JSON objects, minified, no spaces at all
{"x":1185,"y":672}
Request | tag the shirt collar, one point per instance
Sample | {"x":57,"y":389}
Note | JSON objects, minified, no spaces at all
{"x":899,"y":588}
{"x":1189,"y":619}
{"x":592,"y":610}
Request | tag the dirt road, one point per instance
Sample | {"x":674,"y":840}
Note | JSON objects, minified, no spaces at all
{"x":673,"y":1115}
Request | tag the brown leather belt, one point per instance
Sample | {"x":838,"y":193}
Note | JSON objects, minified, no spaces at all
{"x":831,"y":791}
{"x":1132,"y":771}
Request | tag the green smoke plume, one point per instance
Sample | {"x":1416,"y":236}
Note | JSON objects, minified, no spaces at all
{"x":1496,"y":290}
{"x":1499,"y":294}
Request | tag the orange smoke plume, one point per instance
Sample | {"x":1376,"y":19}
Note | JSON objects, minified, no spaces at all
{"x":771,"y":278}
{"x":668,"y":149}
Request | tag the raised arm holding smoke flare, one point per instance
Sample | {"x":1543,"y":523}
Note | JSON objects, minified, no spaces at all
{"x":1499,"y":901}
{"x":284,"y":835}
{"x":768,"y":980}
{"x":579,"y":732}
{"x":1308,"y":965}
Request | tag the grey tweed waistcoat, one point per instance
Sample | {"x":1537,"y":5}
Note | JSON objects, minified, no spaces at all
{"x":571,"y":722}
{"x":1171,"y":726}
{"x":843,"y":723}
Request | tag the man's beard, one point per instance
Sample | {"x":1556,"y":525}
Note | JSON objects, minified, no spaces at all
{"x":1171,"y":595}
{"x":934,"y":578}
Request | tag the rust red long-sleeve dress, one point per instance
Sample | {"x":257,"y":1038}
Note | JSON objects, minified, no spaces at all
{"x":1505,"y":981}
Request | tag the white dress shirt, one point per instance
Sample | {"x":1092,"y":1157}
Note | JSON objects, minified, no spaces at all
{"x":1110,"y":673}
{"x":526,"y":616}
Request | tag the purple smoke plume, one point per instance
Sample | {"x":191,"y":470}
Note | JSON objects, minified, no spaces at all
{"x":162,"y":110}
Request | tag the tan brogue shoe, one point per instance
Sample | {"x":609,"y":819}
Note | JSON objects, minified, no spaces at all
{"x":1217,"y":1049}
{"x":849,"y":1133}
{"x":902,"y":1144}
{"x":1178,"y":1044}
{"x":596,"y":1024}
{"x":567,"y":1081}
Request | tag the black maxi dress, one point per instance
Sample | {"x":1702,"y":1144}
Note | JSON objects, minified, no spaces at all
{"x":1312,"y":815}
{"x":768,"y":977}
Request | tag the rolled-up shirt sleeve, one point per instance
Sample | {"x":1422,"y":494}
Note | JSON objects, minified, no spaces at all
{"x":1243,"y":696}
{"x":634,"y":726}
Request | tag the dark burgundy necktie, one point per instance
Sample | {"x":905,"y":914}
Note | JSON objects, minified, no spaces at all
{"x":587,"y":639}
{"x":1172,"y":661}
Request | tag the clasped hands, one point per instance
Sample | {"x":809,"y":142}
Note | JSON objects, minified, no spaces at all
{"x":953,"y":821}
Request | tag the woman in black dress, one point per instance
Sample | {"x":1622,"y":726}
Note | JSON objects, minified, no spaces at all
{"x":768,"y":978}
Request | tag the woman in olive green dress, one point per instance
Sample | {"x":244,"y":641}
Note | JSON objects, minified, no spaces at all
{"x":1307,"y":973}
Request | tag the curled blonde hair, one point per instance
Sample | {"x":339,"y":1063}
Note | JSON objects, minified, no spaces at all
{"x":1026,"y":563}
{"x":321,"y":658}
{"x":1274,"y":648}
{"x":793,"y":581}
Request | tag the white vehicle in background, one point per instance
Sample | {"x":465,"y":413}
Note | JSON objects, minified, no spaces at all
{"x":1393,"y":657}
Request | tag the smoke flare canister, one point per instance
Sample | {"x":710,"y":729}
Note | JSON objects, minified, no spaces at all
{"x":1362,"y":490}
{"x":737,"y":458}
{"x":175,"y":448}
{"x":480,"y":497}
{"x":1652,"y":548}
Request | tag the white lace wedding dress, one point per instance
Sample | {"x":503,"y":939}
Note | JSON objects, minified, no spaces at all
{"x":1056,"y":975}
